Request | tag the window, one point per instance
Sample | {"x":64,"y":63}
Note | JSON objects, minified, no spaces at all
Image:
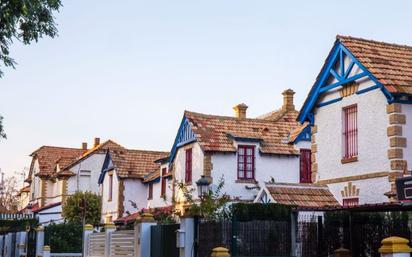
{"x":305,"y":166}
{"x":246,"y":162}
{"x":163,"y":189}
{"x":150,"y":196}
{"x":188,"y":168}
{"x":110,"y":187}
{"x":351,"y":202}
{"x":85,"y":183}
{"x":350,"y":132}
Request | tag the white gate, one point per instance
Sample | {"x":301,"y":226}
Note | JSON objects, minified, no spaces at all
{"x":96,"y":245}
{"x":122,"y":243}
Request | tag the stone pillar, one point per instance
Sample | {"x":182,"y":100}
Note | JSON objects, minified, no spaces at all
{"x":109,"y":228}
{"x":342,"y":252}
{"x":46,"y":251}
{"x":88,"y":229}
{"x":142,"y":230}
{"x":187,"y":226}
{"x":220,"y":252}
{"x":39,"y":241}
{"x":395,"y":247}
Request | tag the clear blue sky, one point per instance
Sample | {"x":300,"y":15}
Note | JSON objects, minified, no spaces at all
{"x":127,"y":70}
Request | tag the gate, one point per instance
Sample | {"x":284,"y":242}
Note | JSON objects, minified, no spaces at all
{"x":31,"y":243}
{"x":163,"y":241}
{"x":96,"y":245}
{"x":122,"y":243}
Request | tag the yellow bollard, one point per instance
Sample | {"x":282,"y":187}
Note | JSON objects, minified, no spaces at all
{"x":220,"y":252}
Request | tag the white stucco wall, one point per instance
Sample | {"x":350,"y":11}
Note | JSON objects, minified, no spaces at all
{"x":135,"y":191}
{"x":158,"y":200}
{"x":110,"y":207}
{"x":94,"y":163}
{"x":50,"y":215}
{"x":373,"y":142}
{"x":407,"y":132}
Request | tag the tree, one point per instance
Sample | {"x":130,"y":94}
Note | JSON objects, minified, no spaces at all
{"x":82,"y":203}
{"x":211,"y":206}
{"x":26,"y":21}
{"x":8,"y":199}
{"x":2,"y":134}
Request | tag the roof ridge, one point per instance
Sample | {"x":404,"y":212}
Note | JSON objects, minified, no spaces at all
{"x":342,"y":37}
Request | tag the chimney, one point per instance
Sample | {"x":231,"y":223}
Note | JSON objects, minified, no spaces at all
{"x":96,"y":141}
{"x":240,"y":111}
{"x":288,"y":100}
{"x":84,"y":145}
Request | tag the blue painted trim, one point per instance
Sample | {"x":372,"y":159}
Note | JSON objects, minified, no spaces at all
{"x":184,"y":136}
{"x":329,"y":102}
{"x":324,"y":74}
{"x":105,"y":167}
{"x":362,"y":91}
{"x":305,"y":135}
{"x":342,"y":62}
{"x":351,"y":64}
{"x":337,"y":77}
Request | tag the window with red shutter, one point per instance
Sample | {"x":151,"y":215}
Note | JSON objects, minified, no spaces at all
{"x":188,"y":168}
{"x":246,"y":162}
{"x":351,"y":202}
{"x":110,"y":196}
{"x":305,"y":166}
{"x":350,"y":132}
{"x":150,"y":196}
{"x":163,"y":189}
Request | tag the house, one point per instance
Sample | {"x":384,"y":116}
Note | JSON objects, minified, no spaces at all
{"x":360,"y":111}
{"x":160,"y":185}
{"x":47,"y":189}
{"x":122,"y":181}
{"x":245,"y":152}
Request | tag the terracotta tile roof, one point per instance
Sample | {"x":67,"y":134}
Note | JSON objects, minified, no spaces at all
{"x":302,"y":195}
{"x":152,"y":176}
{"x":135,"y":163}
{"x":47,"y":157}
{"x":101,"y":148}
{"x":391,"y":64}
{"x":215,"y":133}
{"x":25,"y":189}
{"x":280,"y":115}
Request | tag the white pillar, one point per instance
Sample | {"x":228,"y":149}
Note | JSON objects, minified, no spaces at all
{"x":109,"y":228}
{"x":1,"y":244}
{"x":187,"y":225}
{"x":39,"y":241}
{"x":142,"y":232}
{"x":395,"y":247}
{"x":21,"y":243}
{"x":46,"y":251}
{"x":88,"y":230}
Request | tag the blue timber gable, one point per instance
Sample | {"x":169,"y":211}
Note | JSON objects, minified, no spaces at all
{"x":184,"y":136}
{"x":107,"y":165}
{"x":305,"y":135}
{"x":335,"y":67}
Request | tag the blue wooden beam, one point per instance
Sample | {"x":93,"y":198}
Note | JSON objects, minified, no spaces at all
{"x":342,"y":62}
{"x":329,"y":102}
{"x":351,"y":64}
{"x":336,"y":75}
{"x":342,"y":82}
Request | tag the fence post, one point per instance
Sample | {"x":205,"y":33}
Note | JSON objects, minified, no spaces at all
{"x":395,"y":247}
{"x":21,"y":243}
{"x":143,"y":226}
{"x":320,"y":235}
{"x":39,"y":241}
{"x":109,"y":228}
{"x":88,"y":229}
{"x":46,"y":251}
{"x":220,"y":252}
{"x":187,"y":225}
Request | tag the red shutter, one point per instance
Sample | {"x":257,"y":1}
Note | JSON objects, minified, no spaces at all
{"x":350,"y":131}
{"x":110,"y":187}
{"x":163,"y":189}
{"x":188,"y":173}
{"x":150,"y":192}
{"x":351,"y":202}
{"x":305,"y":166}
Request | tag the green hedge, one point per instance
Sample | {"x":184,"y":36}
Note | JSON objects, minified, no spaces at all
{"x":259,"y":211}
{"x":64,"y":237}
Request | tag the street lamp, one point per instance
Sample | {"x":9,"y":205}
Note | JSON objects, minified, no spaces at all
{"x":203,"y":185}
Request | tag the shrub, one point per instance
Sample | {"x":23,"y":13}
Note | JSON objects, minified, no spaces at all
{"x":64,"y":237}
{"x":73,"y":208}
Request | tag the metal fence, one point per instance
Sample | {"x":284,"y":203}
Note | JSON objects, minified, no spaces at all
{"x":245,"y":238}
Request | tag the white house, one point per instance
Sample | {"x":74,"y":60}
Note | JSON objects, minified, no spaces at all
{"x":245,"y":152}
{"x":121,"y":181}
{"x":360,"y":110}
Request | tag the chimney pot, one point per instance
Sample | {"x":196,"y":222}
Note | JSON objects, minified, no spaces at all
{"x":96,"y":141}
{"x":84,"y":145}
{"x":240,"y":111}
{"x":288,"y":100}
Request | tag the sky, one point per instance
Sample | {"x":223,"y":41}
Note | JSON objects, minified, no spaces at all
{"x":127,"y":70}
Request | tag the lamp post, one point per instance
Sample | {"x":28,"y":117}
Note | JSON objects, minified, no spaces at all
{"x":203,"y":185}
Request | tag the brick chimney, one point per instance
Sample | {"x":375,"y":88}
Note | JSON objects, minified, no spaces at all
{"x":84,"y":145}
{"x":240,"y":111}
{"x":288,"y":100}
{"x":96,"y":141}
